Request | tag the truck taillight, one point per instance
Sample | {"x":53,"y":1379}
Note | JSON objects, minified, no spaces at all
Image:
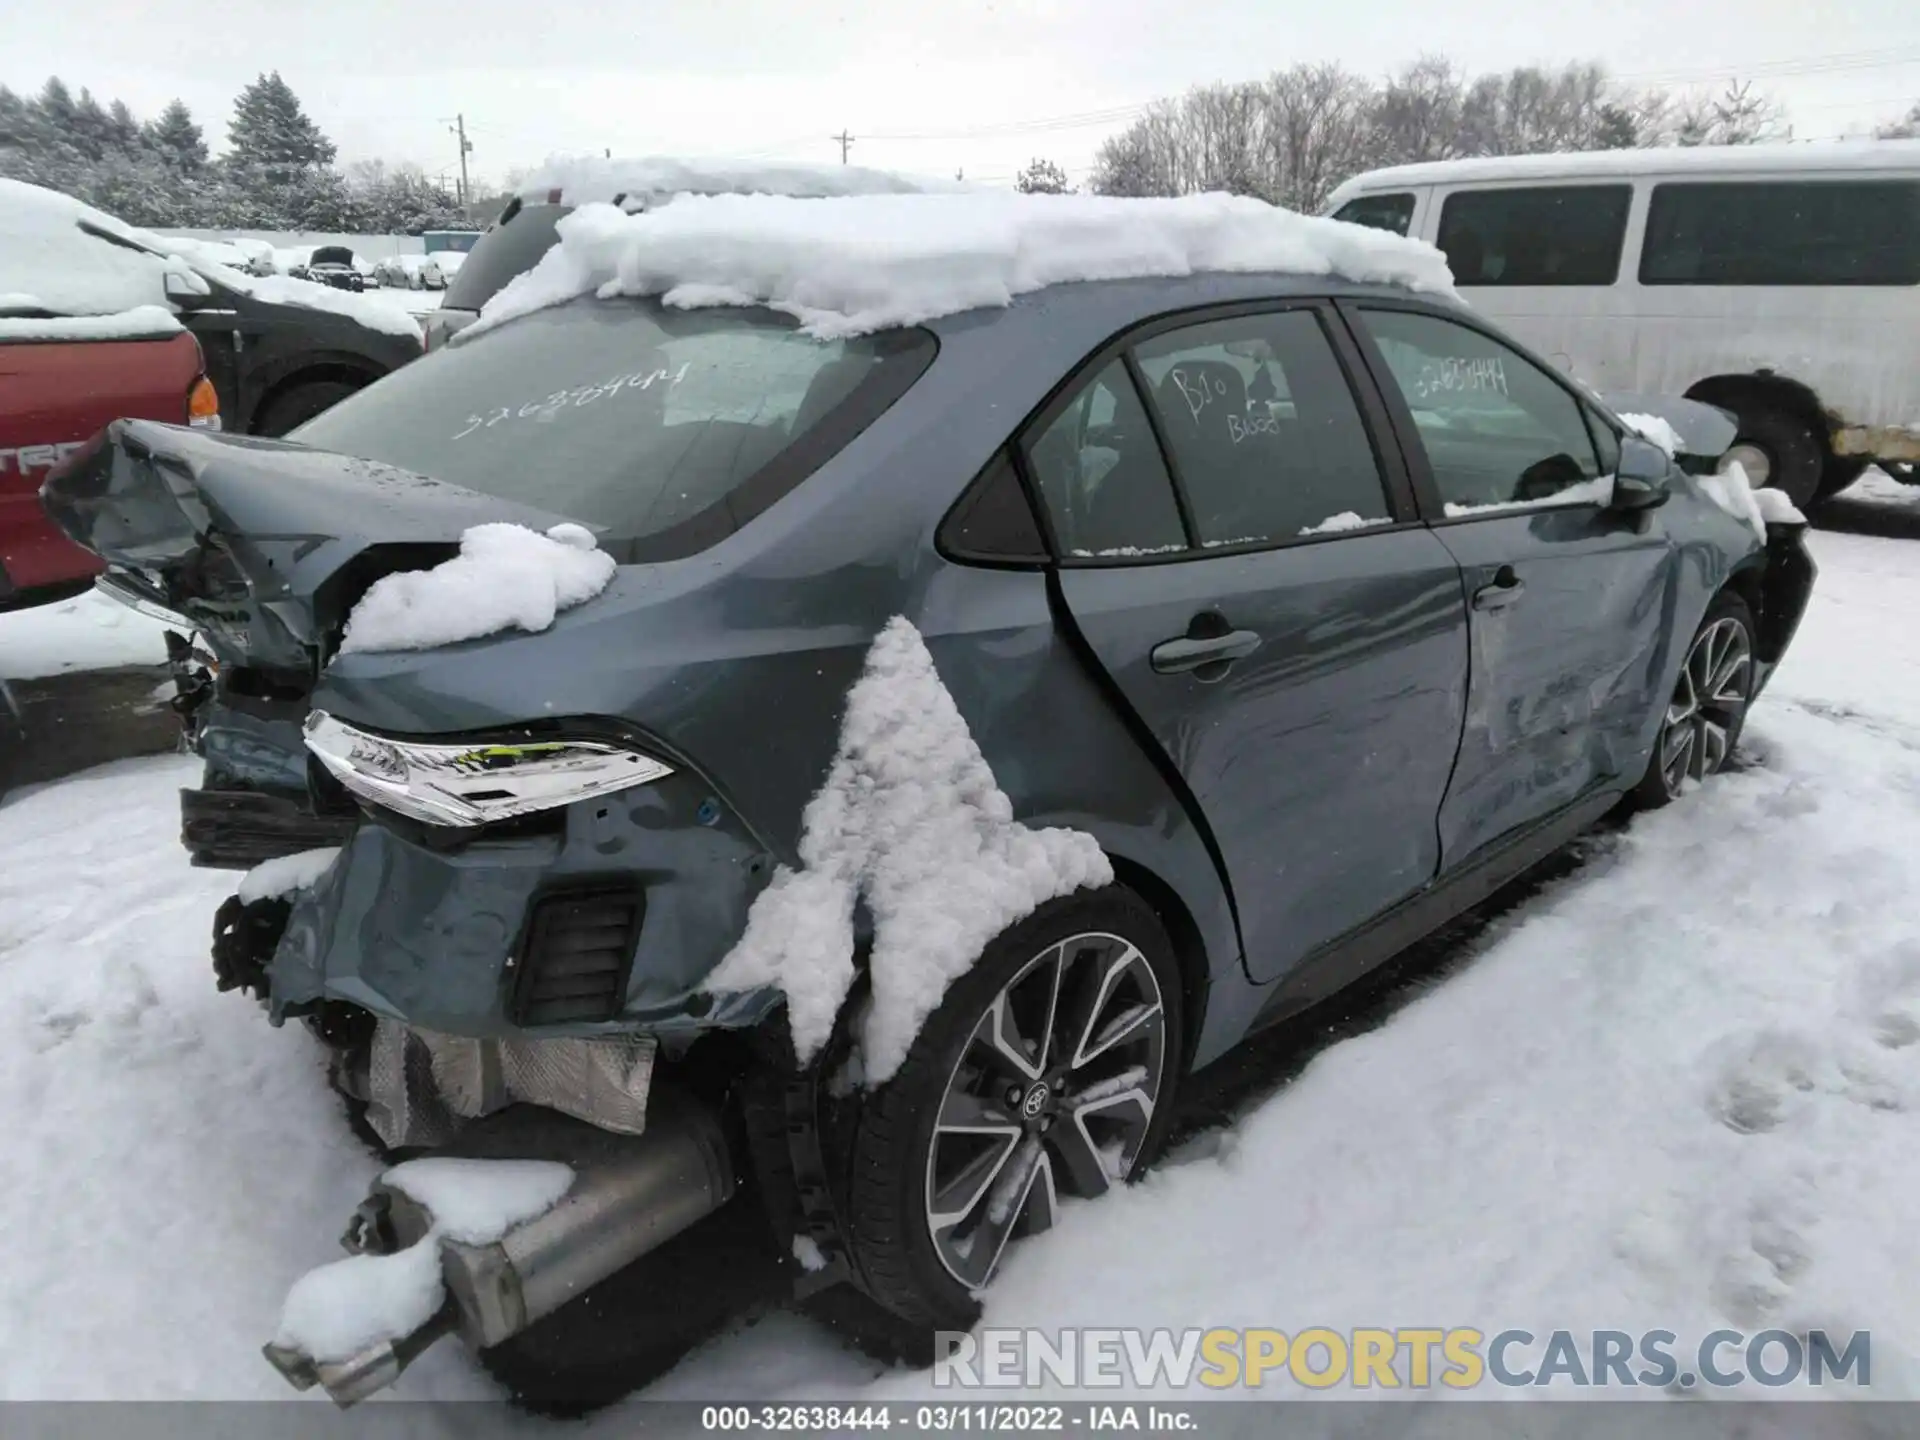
{"x":203,"y":405}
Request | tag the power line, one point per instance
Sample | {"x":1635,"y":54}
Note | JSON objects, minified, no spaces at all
{"x":845,"y":141}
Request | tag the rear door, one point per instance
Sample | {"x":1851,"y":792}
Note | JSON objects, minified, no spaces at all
{"x":1249,"y":570}
{"x":1569,"y":602}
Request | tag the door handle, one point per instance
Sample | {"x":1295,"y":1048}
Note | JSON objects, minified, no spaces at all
{"x":1506,"y":588}
{"x":1174,"y":657}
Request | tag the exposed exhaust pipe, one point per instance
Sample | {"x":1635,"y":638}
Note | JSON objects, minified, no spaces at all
{"x":630,"y":1195}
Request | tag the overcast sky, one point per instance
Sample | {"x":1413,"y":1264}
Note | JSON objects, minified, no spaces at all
{"x":922,"y":86}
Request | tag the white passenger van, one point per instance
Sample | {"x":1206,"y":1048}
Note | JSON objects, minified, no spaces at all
{"x":1780,"y":282}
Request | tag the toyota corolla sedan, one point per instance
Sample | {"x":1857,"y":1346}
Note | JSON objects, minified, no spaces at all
{"x":850,"y":737}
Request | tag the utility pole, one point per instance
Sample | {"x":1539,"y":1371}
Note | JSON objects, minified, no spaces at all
{"x":845,"y":140}
{"x":459,"y":127}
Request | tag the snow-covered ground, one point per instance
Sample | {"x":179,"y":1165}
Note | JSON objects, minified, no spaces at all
{"x":1678,"y":1089}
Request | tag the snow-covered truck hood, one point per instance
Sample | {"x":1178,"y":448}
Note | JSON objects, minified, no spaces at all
{"x":265,"y":543}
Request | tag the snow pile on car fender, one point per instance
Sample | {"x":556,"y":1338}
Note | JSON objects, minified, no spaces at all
{"x":911,"y":820}
{"x":870,"y":262}
{"x":505,"y":577}
{"x":334,"y":1312}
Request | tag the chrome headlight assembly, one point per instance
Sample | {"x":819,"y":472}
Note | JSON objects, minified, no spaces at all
{"x":474,"y":784}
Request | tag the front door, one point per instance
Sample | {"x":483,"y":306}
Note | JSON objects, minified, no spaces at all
{"x":1567,"y":599}
{"x":1293,"y":640}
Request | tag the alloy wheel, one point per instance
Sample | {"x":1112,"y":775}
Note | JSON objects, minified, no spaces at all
{"x":1053,"y":1092}
{"x":1708,"y":700}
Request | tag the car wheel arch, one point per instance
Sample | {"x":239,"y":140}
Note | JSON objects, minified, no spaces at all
{"x":308,"y":370}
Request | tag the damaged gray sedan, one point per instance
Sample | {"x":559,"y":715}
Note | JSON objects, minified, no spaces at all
{"x":971,"y":728}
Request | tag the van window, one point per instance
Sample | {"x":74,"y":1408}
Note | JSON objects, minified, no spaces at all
{"x":1561,"y":235}
{"x":1811,"y":232}
{"x":1379,"y":212}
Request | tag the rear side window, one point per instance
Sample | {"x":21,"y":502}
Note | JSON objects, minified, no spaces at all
{"x":1264,"y":430}
{"x":1815,"y":232}
{"x":1101,"y":475}
{"x":1538,"y":235}
{"x":666,"y":430}
{"x":1392,"y":213}
{"x":514,"y":245}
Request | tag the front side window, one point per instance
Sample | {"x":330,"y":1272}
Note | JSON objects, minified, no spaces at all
{"x":665,"y":429}
{"x":1536,"y":235}
{"x":1392,"y":213}
{"x":1264,"y":430}
{"x":1500,"y":433}
{"x":1101,"y":475}
{"x":1814,"y":232}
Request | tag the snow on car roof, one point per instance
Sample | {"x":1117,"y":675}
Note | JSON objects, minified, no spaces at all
{"x":588,"y":179}
{"x":1675,"y":160}
{"x":864,"y":263}
{"x":48,"y":264}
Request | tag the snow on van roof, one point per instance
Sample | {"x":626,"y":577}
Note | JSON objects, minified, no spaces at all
{"x":1855,"y":155}
{"x":852,"y":266}
{"x":580,"y":181}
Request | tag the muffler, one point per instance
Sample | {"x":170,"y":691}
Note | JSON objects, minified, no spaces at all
{"x":630,"y":1195}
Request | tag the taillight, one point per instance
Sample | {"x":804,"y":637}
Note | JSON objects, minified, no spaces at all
{"x":203,"y":405}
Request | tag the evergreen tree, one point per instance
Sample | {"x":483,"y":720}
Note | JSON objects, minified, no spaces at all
{"x":1042,"y":177}
{"x":177,"y":139}
{"x":271,"y":135}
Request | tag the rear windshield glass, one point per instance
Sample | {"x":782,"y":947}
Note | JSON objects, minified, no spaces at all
{"x":665,"y":430}
{"x":503,"y":252}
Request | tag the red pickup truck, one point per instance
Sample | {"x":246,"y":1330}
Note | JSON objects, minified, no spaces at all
{"x":58,"y":386}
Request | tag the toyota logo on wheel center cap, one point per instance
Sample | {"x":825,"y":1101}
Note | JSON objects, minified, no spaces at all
{"x":1036,"y":1101}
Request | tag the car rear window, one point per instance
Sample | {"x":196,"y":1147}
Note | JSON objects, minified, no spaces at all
{"x":1815,"y":232}
{"x":665,"y":430}
{"x":510,"y":247}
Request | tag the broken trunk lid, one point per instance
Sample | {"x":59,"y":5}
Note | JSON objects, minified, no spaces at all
{"x":266,"y":543}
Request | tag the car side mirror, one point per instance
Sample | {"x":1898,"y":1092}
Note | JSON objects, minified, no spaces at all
{"x":186,"y":289}
{"x":1640,"y":479}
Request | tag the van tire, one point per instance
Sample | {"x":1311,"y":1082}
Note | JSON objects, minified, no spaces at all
{"x":1797,"y":460}
{"x":1841,"y":471}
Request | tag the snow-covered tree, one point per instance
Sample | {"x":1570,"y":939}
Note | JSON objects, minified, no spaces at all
{"x":270,"y":133}
{"x":1042,"y":177}
{"x":1907,"y":128}
{"x":177,"y":140}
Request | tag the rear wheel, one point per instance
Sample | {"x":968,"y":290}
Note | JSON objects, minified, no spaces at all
{"x":1048,"y":1070}
{"x":299,"y":405}
{"x":1780,"y":450}
{"x":1709,"y":704}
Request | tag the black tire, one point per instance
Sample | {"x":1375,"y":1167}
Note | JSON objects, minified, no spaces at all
{"x":888,"y":1171}
{"x":299,"y":405}
{"x":1840,"y":472}
{"x":1796,"y":459}
{"x":1658,"y":786}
